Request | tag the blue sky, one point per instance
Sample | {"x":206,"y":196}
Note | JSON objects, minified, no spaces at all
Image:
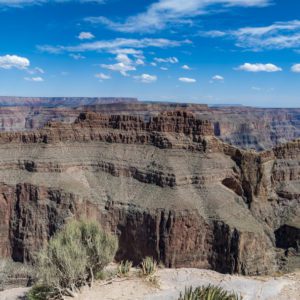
{"x":207,"y":51}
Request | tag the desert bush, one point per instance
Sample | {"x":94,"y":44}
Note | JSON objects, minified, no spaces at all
{"x":42,"y":292}
{"x":72,"y":257}
{"x":148,"y":266}
{"x":124,"y":268}
{"x":106,"y":274}
{"x":209,"y":292}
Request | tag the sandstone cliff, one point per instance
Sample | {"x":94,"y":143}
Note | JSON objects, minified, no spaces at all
{"x":164,"y":184}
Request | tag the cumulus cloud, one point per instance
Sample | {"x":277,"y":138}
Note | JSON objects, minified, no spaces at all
{"x":259,"y":68}
{"x":14,"y":61}
{"x":119,"y":67}
{"x":146,"y":78}
{"x":186,"y":67}
{"x":296,"y":68}
{"x":187,"y":80}
{"x":102,"y":76}
{"x":162,"y":13}
{"x":34,"y":79}
{"x":124,"y":64}
{"x":85,"y":36}
{"x":218,"y":78}
{"x":171,"y":60}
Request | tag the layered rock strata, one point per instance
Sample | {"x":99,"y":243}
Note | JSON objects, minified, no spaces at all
{"x":165,"y":185}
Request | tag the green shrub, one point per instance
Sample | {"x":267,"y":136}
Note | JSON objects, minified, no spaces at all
{"x":124,"y":268}
{"x":42,"y":292}
{"x":149,"y":266}
{"x":209,"y":292}
{"x":73,"y":255}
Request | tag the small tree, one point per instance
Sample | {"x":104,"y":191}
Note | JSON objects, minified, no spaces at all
{"x":73,"y":255}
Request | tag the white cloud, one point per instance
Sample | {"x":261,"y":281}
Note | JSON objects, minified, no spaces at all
{"x":77,"y":56}
{"x":102,"y":76}
{"x":36,"y":70}
{"x":85,"y":36}
{"x":218,"y":78}
{"x":21,"y":3}
{"x":171,"y":60}
{"x":162,"y":13}
{"x":119,"y":67}
{"x":279,"y":35}
{"x":256,"y":88}
{"x":213,"y":33}
{"x":14,"y":61}
{"x":34,"y":79}
{"x":124,"y":64}
{"x":259,"y":68}
{"x":164,"y":69}
{"x":146,"y":78}
{"x":115,"y":45}
{"x":296,"y":68}
{"x":39,"y":70}
{"x":187,"y":80}
{"x":186,"y":67}
{"x":140,"y":62}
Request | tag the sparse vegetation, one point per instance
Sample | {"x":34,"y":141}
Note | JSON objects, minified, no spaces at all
{"x":148,"y":266}
{"x":42,"y":292}
{"x":209,"y":292}
{"x":148,"y":270}
{"x":124,"y":268}
{"x":12,"y":273}
{"x":72,"y":258}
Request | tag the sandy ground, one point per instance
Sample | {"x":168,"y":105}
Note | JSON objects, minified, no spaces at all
{"x":173,"y":281}
{"x":13,"y":294}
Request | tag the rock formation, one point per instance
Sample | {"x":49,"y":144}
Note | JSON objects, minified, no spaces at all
{"x":164,"y":184}
{"x":244,"y":127}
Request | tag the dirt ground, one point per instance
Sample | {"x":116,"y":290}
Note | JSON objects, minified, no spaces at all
{"x":172,"y":281}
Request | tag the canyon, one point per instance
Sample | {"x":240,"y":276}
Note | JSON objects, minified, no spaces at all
{"x":244,"y":127}
{"x":167,"y":179}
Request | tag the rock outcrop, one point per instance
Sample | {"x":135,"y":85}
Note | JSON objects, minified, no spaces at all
{"x":164,"y":184}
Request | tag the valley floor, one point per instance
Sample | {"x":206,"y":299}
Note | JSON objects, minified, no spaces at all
{"x":173,"y":281}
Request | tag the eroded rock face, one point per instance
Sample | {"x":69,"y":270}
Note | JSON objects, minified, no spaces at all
{"x":244,"y":127}
{"x":165,"y":185}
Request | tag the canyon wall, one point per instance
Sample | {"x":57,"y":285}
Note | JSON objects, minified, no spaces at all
{"x":165,"y":185}
{"x":244,"y":127}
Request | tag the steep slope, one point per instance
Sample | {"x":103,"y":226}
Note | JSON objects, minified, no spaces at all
{"x":165,"y":185}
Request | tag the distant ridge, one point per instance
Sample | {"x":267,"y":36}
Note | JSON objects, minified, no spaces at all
{"x":62,"y":101}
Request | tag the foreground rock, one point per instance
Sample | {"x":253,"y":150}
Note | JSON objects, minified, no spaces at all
{"x":165,"y":185}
